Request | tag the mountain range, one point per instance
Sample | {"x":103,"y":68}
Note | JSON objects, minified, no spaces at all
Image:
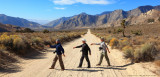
{"x":105,"y":19}
{"x":18,"y":21}
{"x":138,"y":15}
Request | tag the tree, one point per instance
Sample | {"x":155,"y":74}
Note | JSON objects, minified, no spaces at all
{"x":123,"y":24}
{"x":28,"y":30}
{"x":45,"y":31}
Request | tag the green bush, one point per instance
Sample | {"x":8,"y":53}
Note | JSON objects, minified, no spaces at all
{"x":137,"y":32}
{"x":37,"y":40}
{"x":18,"y":43}
{"x":45,"y":31}
{"x":146,"y":53}
{"x":119,"y":30}
{"x":150,"y":20}
{"x":128,"y":52}
{"x":108,"y":38}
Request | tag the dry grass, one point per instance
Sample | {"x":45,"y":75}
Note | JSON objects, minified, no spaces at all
{"x":142,"y":39}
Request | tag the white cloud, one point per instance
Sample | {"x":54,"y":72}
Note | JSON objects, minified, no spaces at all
{"x":59,"y":8}
{"x":69,"y":2}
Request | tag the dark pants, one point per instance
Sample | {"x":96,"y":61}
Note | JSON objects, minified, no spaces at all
{"x":81,"y":60}
{"x":104,"y":54}
{"x":60,"y":61}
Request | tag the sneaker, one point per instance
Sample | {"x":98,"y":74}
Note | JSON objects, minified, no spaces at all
{"x":88,"y":67}
{"x":79,"y":67}
{"x":51,"y":68}
{"x":98,"y":65}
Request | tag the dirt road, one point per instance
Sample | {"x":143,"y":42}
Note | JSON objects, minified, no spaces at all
{"x":120,"y":68}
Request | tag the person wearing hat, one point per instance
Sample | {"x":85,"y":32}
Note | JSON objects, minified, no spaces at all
{"x":103,"y":48}
{"x":85,"y":50}
{"x":59,"y":52}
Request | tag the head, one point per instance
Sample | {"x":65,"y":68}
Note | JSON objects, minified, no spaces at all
{"x":57,"y":41}
{"x":102,"y":39}
{"x":83,"y":41}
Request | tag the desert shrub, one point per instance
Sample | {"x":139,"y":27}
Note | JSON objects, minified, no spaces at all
{"x":109,"y":31}
{"x":45,"y":31}
{"x":6,"y":40}
{"x":18,"y":43}
{"x":114,"y":42}
{"x":119,"y":30}
{"x":128,"y":52}
{"x":28,"y":30}
{"x":37,"y":40}
{"x":2,"y":47}
{"x":108,"y":38}
{"x":150,"y":20}
{"x":123,"y":43}
{"x":146,"y":53}
{"x":136,"y":32}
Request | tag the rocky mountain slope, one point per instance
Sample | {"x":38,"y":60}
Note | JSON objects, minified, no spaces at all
{"x":9,"y":28}
{"x":17,"y":21}
{"x":105,"y":19}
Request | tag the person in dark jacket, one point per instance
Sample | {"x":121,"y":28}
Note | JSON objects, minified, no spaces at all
{"x":59,"y":51}
{"x":85,"y":49}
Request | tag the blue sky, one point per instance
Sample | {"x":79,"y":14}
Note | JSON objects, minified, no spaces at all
{"x":53,"y":9}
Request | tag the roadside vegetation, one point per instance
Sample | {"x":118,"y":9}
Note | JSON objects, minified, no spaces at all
{"x":27,"y":41}
{"x":139,"y":44}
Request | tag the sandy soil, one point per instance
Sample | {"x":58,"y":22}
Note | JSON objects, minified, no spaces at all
{"x":39,"y":67}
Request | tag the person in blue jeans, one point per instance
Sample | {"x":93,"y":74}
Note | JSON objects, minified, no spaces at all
{"x":59,"y":52}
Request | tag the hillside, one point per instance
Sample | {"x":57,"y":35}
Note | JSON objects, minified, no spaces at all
{"x":9,"y":28}
{"x":105,"y":19}
{"x":17,"y":21}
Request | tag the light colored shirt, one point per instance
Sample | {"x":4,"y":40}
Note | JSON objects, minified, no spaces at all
{"x":103,"y":45}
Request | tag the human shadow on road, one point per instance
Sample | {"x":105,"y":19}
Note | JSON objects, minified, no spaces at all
{"x":86,"y":70}
{"x":126,"y":65}
{"x":112,"y":67}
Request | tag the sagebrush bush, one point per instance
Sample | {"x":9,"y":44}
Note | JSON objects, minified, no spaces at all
{"x":2,"y":48}
{"x":146,"y":53}
{"x":123,"y":43}
{"x":136,"y":32}
{"x":6,"y":40}
{"x":114,"y":42}
{"x":37,"y":40}
{"x":19,"y":43}
{"x":108,"y":38}
{"x":128,"y":52}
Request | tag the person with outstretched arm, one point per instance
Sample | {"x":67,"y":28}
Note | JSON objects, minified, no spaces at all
{"x":85,"y":50}
{"x":103,"y":48}
{"x":59,"y":52}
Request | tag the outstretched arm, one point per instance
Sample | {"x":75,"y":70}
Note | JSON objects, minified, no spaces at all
{"x":77,"y":47}
{"x":53,"y":46}
{"x":95,"y":43}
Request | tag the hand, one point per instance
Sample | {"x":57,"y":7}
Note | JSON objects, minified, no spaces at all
{"x":92,"y":44}
{"x":74,"y":47}
{"x":109,"y":51}
{"x":48,"y":46}
{"x":64,"y":55}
